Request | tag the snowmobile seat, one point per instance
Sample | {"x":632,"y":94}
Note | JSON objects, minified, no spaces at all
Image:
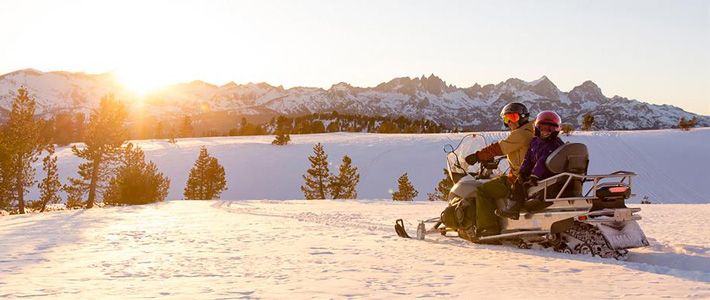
{"x":568,"y":158}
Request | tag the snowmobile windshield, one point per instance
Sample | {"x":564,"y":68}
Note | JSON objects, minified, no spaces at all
{"x":468,"y":145}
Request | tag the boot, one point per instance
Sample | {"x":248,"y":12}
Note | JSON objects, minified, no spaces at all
{"x":511,"y":210}
{"x":484,"y":232}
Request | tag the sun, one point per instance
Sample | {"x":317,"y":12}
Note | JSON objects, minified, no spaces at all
{"x":141,"y":83}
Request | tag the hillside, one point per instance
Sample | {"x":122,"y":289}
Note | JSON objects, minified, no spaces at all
{"x":672,"y":164}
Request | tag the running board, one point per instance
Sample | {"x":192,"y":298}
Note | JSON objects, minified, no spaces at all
{"x":514,"y":234}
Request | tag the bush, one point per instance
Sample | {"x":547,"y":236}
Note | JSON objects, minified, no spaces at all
{"x":567,"y":129}
{"x":136,"y":181}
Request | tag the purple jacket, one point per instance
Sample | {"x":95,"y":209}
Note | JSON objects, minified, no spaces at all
{"x":534,"y":163}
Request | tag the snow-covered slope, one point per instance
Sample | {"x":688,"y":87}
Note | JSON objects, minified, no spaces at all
{"x":430,"y":97}
{"x":325,"y":249}
{"x":672,"y":164}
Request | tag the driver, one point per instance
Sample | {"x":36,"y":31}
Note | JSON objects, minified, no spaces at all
{"x":515,"y":117}
{"x":547,"y":127}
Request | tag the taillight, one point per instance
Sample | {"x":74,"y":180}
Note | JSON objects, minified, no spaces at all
{"x":618,"y":189}
{"x":582,"y":218}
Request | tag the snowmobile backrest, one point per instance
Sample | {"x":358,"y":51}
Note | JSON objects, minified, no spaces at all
{"x":570,"y":157}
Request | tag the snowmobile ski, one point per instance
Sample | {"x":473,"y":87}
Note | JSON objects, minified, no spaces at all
{"x":421,"y":228}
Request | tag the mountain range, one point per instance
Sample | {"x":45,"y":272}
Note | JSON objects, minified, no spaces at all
{"x":475,"y":107}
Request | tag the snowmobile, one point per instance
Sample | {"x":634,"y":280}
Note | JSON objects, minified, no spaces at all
{"x":571,"y":212}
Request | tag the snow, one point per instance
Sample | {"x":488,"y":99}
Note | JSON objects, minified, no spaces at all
{"x":671,"y":164}
{"x":324,"y":249}
{"x":278,"y":247}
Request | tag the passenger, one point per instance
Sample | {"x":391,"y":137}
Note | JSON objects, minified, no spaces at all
{"x":547,"y":127}
{"x":515,"y":117}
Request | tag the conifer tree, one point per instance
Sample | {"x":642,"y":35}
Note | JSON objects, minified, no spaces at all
{"x":50,"y":186}
{"x":406,"y":191}
{"x":282,"y":138}
{"x":186,"y":129}
{"x":207,"y":179}
{"x":567,"y":128}
{"x":21,"y":146}
{"x":316,"y":178}
{"x":343,"y":186}
{"x":75,"y":195}
{"x":104,"y":136}
{"x":685,"y":124}
{"x":442,"y":189}
{"x":587,"y":121}
{"x":136,"y":182}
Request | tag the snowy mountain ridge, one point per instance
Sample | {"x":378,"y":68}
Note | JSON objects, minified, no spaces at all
{"x":475,"y":107}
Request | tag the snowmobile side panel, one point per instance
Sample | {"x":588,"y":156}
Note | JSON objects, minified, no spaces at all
{"x":465,"y":188}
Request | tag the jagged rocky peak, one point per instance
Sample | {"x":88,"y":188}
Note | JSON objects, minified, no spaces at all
{"x":393,"y":84}
{"x":514,"y":83}
{"x":433,"y":84}
{"x":230,"y":85}
{"x":588,"y":90}
{"x":406,"y":85}
{"x":544,"y":87}
{"x":341,"y":86}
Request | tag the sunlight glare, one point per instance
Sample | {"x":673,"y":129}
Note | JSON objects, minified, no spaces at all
{"x":141,"y":83}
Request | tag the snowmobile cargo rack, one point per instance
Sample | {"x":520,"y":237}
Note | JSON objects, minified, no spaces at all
{"x":624,"y":178}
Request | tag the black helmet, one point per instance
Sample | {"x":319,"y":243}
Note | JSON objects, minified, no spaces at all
{"x":515,"y":107}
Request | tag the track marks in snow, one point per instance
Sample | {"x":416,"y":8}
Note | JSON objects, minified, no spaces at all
{"x":329,"y":249}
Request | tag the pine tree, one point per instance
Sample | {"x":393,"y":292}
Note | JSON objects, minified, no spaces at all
{"x":344,"y":185}
{"x":186,"y":129}
{"x":79,"y":127}
{"x":316,"y":178}
{"x":104,"y":137}
{"x":50,"y":185}
{"x":441,"y":192}
{"x":587,"y":122}
{"x":685,"y":124}
{"x":75,"y":195}
{"x":136,"y":182}
{"x":567,"y":129}
{"x":21,"y":146}
{"x":282,"y":138}
{"x":207,"y":179}
{"x":406,"y":191}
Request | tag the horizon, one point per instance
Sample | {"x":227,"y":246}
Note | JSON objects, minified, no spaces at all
{"x":652,"y":51}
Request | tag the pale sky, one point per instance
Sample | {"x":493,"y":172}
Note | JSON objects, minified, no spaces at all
{"x":654,"y":51}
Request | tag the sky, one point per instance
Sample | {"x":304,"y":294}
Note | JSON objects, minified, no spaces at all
{"x":654,"y":51}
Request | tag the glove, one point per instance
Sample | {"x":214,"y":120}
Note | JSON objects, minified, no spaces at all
{"x":472,"y":159}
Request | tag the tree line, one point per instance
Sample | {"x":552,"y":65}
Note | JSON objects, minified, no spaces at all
{"x":115,"y":172}
{"x":111,"y":169}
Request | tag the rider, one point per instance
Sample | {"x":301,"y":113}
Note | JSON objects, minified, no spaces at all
{"x":547,"y":127}
{"x":515,"y":117}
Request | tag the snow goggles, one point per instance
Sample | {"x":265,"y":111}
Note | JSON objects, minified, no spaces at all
{"x":547,"y":123}
{"x":511,"y":117}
